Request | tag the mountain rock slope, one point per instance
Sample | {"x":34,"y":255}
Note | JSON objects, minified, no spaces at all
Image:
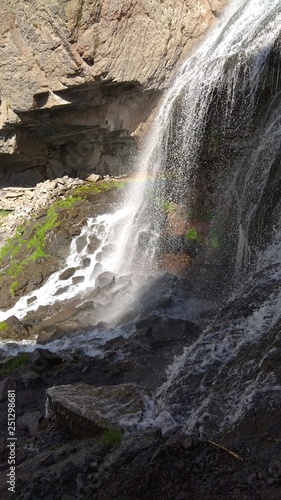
{"x":80,"y":78}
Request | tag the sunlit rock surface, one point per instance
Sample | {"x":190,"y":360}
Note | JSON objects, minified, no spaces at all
{"x":86,"y":76}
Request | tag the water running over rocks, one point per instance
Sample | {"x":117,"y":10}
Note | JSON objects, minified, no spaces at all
{"x":213,"y":162}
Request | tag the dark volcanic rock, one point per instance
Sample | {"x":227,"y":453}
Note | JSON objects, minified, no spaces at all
{"x":6,"y":385}
{"x":160,"y":330}
{"x":84,"y":410}
{"x":157,"y":294}
{"x":30,"y":421}
{"x":44,"y":360}
{"x":146,"y":355}
{"x":174,"y":467}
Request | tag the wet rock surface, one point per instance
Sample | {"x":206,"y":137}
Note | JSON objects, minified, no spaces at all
{"x":223,"y":393}
{"x":86,"y":411}
{"x":162,"y":463}
{"x":176,"y":466}
{"x":12,"y":328}
{"x":240,"y":463}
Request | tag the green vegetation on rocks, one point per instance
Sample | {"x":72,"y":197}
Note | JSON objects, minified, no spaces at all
{"x":4,"y":213}
{"x":18,"y":362}
{"x":4,"y":330}
{"x":97,"y":187}
{"x":33,"y":240}
{"x":214,"y":241}
{"x":28,"y":244}
{"x":3,"y":326}
{"x":166,"y":205}
{"x":112,"y":437}
{"x":13,"y":287}
{"x":32,"y":235}
{"x":192,"y":234}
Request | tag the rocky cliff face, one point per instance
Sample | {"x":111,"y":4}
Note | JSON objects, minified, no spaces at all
{"x":80,"y":78}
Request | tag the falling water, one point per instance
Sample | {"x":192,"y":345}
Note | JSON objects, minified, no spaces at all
{"x":214,"y":147}
{"x":225,"y":373}
{"x":238,"y":45}
{"x":230,"y":64}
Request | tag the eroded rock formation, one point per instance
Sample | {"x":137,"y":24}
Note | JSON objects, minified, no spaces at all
{"x":80,"y":78}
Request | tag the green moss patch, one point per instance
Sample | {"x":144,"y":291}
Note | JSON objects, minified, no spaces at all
{"x":166,"y":205}
{"x":4,"y":213}
{"x":13,"y":287}
{"x":3,"y":325}
{"x":214,"y":241}
{"x":28,"y":244}
{"x":92,"y":188}
{"x":192,"y":234}
{"x":112,"y":437}
{"x":31,"y":237}
{"x":18,"y":362}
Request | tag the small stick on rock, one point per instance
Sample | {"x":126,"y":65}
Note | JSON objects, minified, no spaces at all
{"x":225,"y":449}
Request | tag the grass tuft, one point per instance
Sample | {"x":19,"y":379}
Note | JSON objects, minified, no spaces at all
{"x":19,"y":361}
{"x":112,"y":437}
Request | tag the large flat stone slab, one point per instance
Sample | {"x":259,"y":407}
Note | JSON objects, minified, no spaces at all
{"x":87,"y":411}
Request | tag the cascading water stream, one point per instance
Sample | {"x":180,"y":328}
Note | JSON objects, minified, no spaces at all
{"x":231,"y":62}
{"x":214,"y":102}
{"x":225,"y":373}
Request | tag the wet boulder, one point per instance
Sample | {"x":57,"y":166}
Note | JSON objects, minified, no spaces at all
{"x":86,"y":411}
{"x":13,"y":328}
{"x":50,"y":333}
{"x":65,"y":275}
{"x":157,"y":293}
{"x":29,"y":421}
{"x":44,"y":360}
{"x":179,"y":244}
{"x":63,"y":323}
{"x":105,"y":279}
{"x":148,"y":352}
{"x":6,"y":385}
{"x":161,"y":330}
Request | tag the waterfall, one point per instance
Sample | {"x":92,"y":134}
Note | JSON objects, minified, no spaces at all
{"x":212,"y":160}
{"x":228,"y":370}
{"x":214,"y":97}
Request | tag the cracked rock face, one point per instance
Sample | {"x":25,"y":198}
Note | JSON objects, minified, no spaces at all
{"x":86,"y":76}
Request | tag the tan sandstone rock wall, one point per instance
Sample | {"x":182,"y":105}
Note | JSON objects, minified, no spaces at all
{"x":79,"y":77}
